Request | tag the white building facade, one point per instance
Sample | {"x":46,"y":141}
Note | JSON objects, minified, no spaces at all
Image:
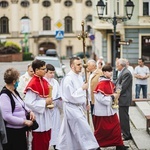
{"x":33,"y":23}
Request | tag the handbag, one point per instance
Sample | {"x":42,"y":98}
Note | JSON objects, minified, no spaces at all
{"x":34,"y":126}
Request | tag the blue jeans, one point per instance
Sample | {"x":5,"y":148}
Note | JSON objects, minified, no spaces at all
{"x":138,"y":88}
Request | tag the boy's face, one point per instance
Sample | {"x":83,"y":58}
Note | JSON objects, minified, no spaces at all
{"x":41,"y":71}
{"x":50,"y":74}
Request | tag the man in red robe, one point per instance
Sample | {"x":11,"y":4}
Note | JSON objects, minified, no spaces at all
{"x":106,"y":123}
{"x":37,"y":98}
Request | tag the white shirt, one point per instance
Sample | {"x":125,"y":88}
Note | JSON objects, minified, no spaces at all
{"x":143,"y":71}
{"x":23,"y":82}
{"x":130,"y":68}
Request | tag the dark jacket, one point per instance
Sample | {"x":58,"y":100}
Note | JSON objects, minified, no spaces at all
{"x":125,"y":79}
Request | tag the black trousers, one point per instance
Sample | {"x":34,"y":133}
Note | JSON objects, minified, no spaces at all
{"x":16,"y":139}
{"x":124,"y":121}
{"x":92,"y":108}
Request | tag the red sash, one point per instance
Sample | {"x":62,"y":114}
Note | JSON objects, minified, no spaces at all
{"x":106,"y":87}
{"x":39,"y":86}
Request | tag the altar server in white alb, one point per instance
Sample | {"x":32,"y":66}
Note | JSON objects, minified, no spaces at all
{"x":75,"y":132}
{"x":24,"y":80}
{"x":56,"y":119}
{"x":37,"y":99}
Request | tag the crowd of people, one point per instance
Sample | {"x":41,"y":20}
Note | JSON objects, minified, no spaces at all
{"x":40,"y":95}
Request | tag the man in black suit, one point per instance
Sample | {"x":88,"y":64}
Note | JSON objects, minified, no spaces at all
{"x":125,"y":81}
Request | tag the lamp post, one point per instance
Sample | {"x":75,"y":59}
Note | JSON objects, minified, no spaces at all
{"x":26,"y":42}
{"x":114,"y":20}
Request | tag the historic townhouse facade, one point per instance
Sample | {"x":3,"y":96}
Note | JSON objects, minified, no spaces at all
{"x":136,"y":30}
{"x":33,"y":24}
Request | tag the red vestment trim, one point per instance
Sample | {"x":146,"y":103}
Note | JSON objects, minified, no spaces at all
{"x":39,"y":86}
{"x":106,"y":87}
{"x":107,"y":131}
{"x":41,"y":140}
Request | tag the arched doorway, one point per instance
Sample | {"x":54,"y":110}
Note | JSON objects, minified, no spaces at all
{"x":43,"y":47}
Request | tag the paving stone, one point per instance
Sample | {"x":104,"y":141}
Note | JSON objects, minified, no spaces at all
{"x":142,"y":139}
{"x":137,"y":118}
{"x":144,"y":107}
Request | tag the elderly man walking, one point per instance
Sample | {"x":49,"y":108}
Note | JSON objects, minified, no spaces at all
{"x":125,"y":81}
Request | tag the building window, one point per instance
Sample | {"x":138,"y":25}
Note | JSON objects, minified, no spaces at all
{"x":68,"y":3}
{"x":46,"y":3}
{"x":68,"y":24}
{"x":89,"y":18}
{"x":106,"y":8}
{"x":4,"y":25}
{"x":88,"y":28}
{"x":69,"y":51}
{"x":25,"y":3}
{"x":25,"y":25}
{"x":118,"y":5}
{"x":145,"y":48}
{"x":4,"y":4}
{"x":46,"y":23}
{"x":89,"y":50}
{"x":88,"y":3}
{"x":146,"y":7}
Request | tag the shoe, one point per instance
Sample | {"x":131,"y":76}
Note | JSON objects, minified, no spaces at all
{"x":126,"y":147}
{"x":127,"y":138}
{"x":122,"y":147}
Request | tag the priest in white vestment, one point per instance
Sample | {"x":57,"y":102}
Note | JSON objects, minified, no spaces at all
{"x":75,"y":132}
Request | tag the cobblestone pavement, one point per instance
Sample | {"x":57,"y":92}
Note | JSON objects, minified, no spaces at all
{"x":129,"y":143}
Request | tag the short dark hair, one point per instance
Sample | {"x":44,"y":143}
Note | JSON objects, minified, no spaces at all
{"x":143,"y":60}
{"x":50,"y":67}
{"x":72,"y":59}
{"x":107,"y":68}
{"x":11,"y":75}
{"x":37,"y":64}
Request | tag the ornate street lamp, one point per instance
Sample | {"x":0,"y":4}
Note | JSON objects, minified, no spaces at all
{"x":129,"y":9}
{"x":114,"y":20}
{"x":100,"y":8}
